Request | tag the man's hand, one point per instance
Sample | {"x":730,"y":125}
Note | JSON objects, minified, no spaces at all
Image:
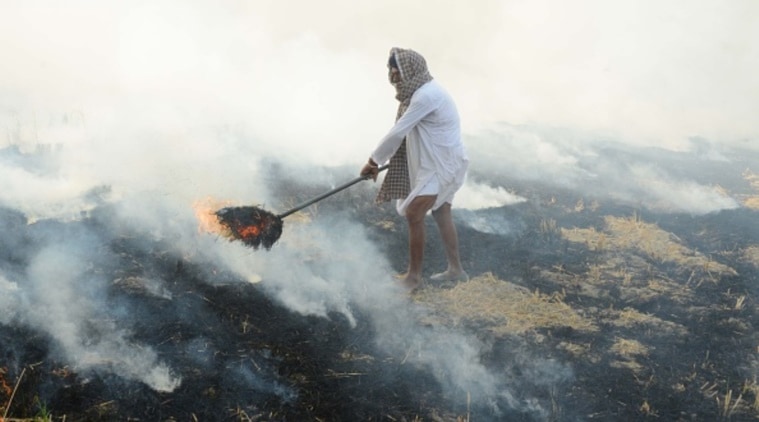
{"x":370,"y":169}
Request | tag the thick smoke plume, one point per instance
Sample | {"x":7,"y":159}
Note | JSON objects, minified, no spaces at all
{"x":145,"y":108}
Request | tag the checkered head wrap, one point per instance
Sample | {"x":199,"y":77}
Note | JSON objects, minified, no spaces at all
{"x":414,"y":74}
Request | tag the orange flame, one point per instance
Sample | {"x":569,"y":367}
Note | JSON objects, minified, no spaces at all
{"x":4,"y":387}
{"x":250,"y":231}
{"x":208,"y":222}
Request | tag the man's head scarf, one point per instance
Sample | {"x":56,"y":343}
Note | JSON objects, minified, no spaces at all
{"x":414,"y":74}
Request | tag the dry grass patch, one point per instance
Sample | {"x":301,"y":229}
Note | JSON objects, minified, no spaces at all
{"x":659,"y":245}
{"x":630,"y":318}
{"x":388,"y":225}
{"x":578,"y":283}
{"x":626,"y":273}
{"x":575,"y":349}
{"x":502,"y":307}
{"x":751,"y":254}
{"x":751,"y":201}
{"x":657,"y":287}
{"x":752,"y":178}
{"x":628,"y":350}
{"x":593,"y":239}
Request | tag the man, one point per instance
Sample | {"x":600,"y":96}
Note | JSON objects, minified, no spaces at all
{"x":427,"y":161}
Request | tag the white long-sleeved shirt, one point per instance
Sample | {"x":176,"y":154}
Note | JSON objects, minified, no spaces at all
{"x":432,"y":129}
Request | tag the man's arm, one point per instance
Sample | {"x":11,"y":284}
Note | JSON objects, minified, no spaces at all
{"x":420,"y":106}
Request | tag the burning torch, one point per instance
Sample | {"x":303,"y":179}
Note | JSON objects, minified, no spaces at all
{"x":257,"y":227}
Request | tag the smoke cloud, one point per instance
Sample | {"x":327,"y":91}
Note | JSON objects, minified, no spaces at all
{"x":151,"y":106}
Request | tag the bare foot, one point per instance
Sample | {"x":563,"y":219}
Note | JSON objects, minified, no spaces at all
{"x":450,"y":275}
{"x":409,"y":282}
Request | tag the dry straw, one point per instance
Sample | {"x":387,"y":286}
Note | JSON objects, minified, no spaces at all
{"x":503,"y":307}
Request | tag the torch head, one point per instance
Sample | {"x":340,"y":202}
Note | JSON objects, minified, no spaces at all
{"x":253,"y":226}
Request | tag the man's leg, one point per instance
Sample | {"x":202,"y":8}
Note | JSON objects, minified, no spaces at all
{"x":444,"y":220}
{"x":415,"y":214}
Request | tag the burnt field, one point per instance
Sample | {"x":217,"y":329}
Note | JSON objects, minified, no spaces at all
{"x":579,"y":308}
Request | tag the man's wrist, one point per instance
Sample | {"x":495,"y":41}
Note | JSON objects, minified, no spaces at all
{"x":372,"y":162}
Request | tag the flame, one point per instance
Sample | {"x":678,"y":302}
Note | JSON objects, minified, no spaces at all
{"x":250,"y":231}
{"x":4,"y":387}
{"x":208,"y":222}
{"x":253,"y":225}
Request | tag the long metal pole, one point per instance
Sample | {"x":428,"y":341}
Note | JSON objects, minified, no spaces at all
{"x":330,"y":193}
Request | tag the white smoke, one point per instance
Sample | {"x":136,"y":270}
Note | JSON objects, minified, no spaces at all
{"x":474,"y":196}
{"x":164,"y":103}
{"x":562,"y":158}
{"x":8,"y":299}
{"x":679,"y":196}
{"x":61,"y":298}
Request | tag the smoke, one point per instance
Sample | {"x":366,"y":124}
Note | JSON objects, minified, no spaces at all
{"x":652,"y":178}
{"x":61,"y":296}
{"x":453,"y":357}
{"x":151,"y":106}
{"x":8,"y":300}
{"x":474,"y":196}
{"x":678,"y":196}
{"x":171,"y":92}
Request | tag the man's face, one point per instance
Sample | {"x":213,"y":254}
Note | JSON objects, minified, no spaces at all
{"x":395,"y":75}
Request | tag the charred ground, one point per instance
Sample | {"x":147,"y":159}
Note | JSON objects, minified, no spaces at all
{"x":653,"y":313}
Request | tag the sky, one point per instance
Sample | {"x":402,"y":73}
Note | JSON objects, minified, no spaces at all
{"x":162,"y":103}
{"x":648,"y":72}
{"x":163,"y":86}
